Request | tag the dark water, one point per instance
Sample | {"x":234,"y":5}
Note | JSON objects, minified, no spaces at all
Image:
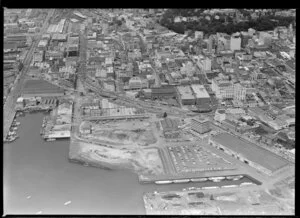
{"x":42,"y":170}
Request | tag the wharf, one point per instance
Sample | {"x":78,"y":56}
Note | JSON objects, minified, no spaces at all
{"x":187,"y":178}
{"x":8,"y":122}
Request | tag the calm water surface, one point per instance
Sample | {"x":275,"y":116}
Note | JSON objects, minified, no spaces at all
{"x":40,"y":169}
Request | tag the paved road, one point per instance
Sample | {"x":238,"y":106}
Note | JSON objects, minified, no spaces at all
{"x":9,"y":107}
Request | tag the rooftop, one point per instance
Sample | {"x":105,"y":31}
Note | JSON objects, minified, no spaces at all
{"x":200,"y":91}
{"x":40,"y":86}
{"x":250,"y":151}
{"x":185,"y":92}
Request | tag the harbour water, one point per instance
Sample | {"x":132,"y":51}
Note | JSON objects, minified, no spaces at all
{"x":39,"y":177}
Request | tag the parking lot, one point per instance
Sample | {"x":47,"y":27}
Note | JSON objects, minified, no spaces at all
{"x":194,"y":158}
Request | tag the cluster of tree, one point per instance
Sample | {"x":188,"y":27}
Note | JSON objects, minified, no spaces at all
{"x":263,"y":23}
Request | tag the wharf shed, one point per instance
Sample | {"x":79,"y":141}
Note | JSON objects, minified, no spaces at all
{"x":257,"y":157}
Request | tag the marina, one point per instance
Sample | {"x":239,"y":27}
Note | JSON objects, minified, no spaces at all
{"x":12,"y":133}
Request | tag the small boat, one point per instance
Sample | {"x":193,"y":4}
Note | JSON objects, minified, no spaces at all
{"x":39,"y":212}
{"x":50,"y":139}
{"x":163,"y":182}
{"x":11,"y":133}
{"x":15,"y":124}
{"x":67,"y":203}
{"x":181,"y":180}
{"x":199,"y":179}
{"x":12,"y":138}
{"x":28,"y":197}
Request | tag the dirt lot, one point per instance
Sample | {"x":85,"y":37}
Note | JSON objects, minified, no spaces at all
{"x":130,"y":133}
{"x":223,"y":202}
{"x":143,"y":160}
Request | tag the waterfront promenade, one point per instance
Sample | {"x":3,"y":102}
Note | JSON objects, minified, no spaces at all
{"x":9,"y":107}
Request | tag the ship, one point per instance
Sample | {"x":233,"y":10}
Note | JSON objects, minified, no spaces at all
{"x":163,"y":182}
{"x":181,"y":180}
{"x":50,"y":139}
{"x":199,"y":179}
{"x":216,"y":179}
{"x":234,"y":178}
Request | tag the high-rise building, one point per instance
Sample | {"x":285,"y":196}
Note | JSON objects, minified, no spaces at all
{"x":265,"y":38}
{"x":235,"y":42}
{"x":210,"y":44}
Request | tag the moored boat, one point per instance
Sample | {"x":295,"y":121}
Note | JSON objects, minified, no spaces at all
{"x":181,"y":180}
{"x":229,"y":186}
{"x":50,"y":139}
{"x":216,"y":179}
{"x":246,"y":183}
{"x":210,"y":187}
{"x":237,"y":177}
{"x":199,"y":179}
{"x":163,"y":182}
{"x":12,"y":138}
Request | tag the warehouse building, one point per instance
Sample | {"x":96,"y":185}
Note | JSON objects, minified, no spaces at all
{"x":163,"y":92}
{"x":202,"y":97}
{"x":42,"y":88}
{"x":185,"y":95}
{"x":249,"y":153}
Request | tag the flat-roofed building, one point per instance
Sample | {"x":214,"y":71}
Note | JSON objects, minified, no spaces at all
{"x":223,"y":89}
{"x":202,"y":97}
{"x":170,"y":127}
{"x":257,"y":157}
{"x":200,"y":125}
{"x":43,"y":44}
{"x":34,"y":88}
{"x":185,"y":95}
{"x":163,"y":92}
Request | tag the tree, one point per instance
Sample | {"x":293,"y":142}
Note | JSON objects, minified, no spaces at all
{"x":179,"y":28}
